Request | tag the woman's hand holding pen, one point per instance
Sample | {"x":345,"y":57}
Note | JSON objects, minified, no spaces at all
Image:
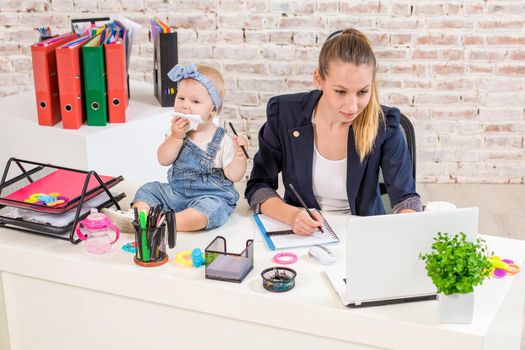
{"x":178,"y":127}
{"x":303,"y":224}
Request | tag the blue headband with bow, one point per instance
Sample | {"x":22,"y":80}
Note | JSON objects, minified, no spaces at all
{"x":180,"y":72}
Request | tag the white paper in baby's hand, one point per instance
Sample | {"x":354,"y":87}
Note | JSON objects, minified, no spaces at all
{"x":194,"y":120}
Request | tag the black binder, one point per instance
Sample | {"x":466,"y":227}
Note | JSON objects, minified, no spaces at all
{"x":165,"y":58}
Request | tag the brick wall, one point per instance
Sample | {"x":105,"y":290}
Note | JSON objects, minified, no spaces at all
{"x":456,"y":68}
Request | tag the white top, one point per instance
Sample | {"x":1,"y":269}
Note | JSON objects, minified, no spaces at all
{"x":225,"y":153}
{"x":329,"y":183}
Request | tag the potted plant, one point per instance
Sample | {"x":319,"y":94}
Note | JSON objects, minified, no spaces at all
{"x":456,"y":265}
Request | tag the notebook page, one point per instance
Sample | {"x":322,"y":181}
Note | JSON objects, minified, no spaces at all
{"x":293,"y":240}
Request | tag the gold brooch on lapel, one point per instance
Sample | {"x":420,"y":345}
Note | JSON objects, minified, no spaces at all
{"x":296,"y":133}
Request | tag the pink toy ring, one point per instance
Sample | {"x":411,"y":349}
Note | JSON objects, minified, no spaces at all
{"x":285,"y":258}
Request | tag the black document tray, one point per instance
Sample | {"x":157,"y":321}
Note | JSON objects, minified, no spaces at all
{"x":23,"y":174}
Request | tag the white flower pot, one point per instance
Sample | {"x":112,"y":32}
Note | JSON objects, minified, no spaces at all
{"x":456,"y":308}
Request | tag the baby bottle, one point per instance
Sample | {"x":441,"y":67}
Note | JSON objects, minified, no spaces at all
{"x":97,"y":229}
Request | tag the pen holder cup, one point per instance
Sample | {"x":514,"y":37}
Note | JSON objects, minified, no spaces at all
{"x":151,"y":245}
{"x":278,"y":279}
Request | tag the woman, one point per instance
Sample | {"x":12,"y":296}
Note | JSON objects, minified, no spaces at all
{"x":330,"y":143}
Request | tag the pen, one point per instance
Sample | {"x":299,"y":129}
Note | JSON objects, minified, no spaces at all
{"x":172,"y":230}
{"x":158,"y":211}
{"x":235,"y":133}
{"x":138,"y":239}
{"x":153,"y":248}
{"x":136,"y":214}
{"x":144,"y":238}
{"x":304,"y":205}
{"x":149,"y":214}
{"x":160,"y":220}
{"x":154,"y":216}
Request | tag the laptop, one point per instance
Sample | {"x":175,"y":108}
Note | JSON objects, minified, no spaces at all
{"x":382,"y":256}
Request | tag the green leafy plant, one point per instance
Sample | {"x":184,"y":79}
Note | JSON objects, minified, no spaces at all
{"x":457,"y":265}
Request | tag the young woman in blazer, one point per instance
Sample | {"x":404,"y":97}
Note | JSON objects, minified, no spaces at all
{"x":330,"y":143}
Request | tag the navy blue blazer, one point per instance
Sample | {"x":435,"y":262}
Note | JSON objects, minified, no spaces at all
{"x":281,"y":151}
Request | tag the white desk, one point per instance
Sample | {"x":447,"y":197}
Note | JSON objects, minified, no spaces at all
{"x":115,"y":149}
{"x":58,"y":296}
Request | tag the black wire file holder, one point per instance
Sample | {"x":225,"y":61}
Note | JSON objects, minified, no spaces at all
{"x":224,"y":266}
{"x":85,"y":186}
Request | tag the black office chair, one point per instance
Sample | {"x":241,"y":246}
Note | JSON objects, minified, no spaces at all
{"x":407,"y":130}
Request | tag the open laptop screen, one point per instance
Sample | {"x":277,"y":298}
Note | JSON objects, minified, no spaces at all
{"x":382,"y":261}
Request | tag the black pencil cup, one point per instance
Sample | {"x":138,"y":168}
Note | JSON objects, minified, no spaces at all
{"x":151,"y":245}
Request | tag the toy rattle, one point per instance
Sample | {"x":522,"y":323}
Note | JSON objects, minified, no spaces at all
{"x":190,"y":258}
{"x":51,"y":200}
{"x":503,"y":267}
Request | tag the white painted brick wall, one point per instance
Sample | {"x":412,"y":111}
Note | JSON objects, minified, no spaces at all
{"x":456,"y":68}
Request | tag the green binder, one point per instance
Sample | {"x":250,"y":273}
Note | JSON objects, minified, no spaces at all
{"x":95,"y":82}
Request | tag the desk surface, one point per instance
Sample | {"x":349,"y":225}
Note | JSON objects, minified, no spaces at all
{"x":312,"y":307}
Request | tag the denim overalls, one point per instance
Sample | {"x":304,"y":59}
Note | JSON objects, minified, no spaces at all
{"x":193,"y":183}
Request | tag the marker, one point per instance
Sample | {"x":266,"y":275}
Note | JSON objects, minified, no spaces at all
{"x":143,"y":225}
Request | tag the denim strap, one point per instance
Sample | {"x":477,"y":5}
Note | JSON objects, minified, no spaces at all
{"x":215,"y":143}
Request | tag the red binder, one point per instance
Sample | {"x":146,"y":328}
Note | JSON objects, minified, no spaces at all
{"x":69,"y":66}
{"x":116,"y":79}
{"x":45,"y":76}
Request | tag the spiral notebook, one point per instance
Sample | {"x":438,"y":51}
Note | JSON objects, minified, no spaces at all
{"x":279,"y":235}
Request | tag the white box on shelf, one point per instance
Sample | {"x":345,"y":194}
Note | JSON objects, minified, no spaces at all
{"x":128,"y":149}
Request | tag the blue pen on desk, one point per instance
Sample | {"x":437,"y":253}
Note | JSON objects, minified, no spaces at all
{"x":303,"y":204}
